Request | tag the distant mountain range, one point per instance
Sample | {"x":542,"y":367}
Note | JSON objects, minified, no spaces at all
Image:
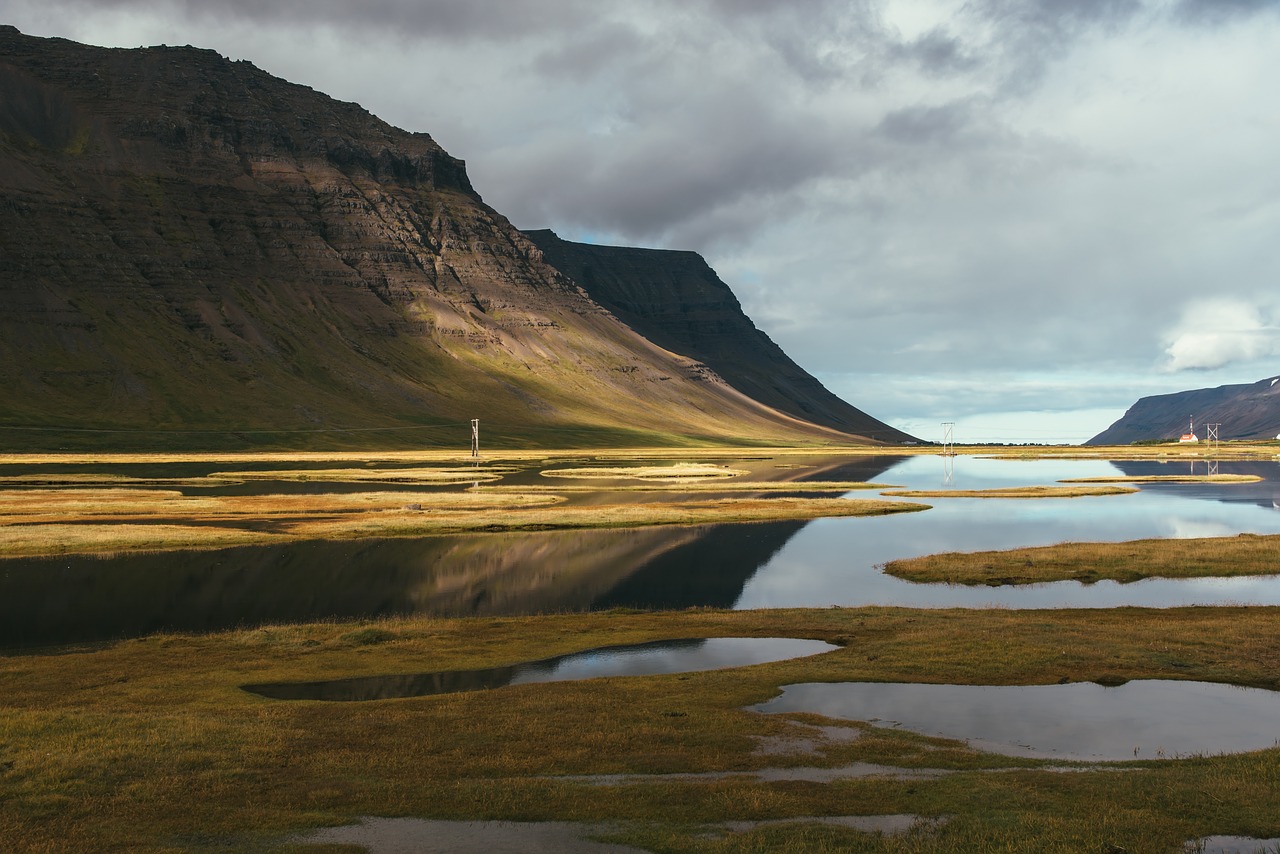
{"x":196,"y":253}
{"x":1247,"y":411}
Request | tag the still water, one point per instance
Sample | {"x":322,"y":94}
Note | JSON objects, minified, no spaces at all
{"x":1146,"y":719}
{"x":643,"y":659}
{"x":822,"y":563}
{"x":836,"y":561}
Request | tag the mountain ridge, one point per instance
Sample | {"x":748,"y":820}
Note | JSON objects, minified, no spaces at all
{"x":189,"y":243}
{"x":1243,"y":411}
{"x":675,"y":299}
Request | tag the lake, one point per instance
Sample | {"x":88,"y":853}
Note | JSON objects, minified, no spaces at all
{"x":780,"y":564}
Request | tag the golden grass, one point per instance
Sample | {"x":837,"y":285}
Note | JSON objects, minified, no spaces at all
{"x":68,"y":521}
{"x":1168,"y":478}
{"x":1011,"y":492}
{"x":150,"y":745}
{"x":679,"y":486}
{"x":680,"y":473}
{"x":1226,"y":451}
{"x":1246,"y":554}
{"x":58,"y":539}
{"x":722,"y":511}
{"x":86,"y":479}
{"x":451,"y":475}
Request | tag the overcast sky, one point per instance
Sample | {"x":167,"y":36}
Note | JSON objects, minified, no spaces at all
{"x":1017,"y":215}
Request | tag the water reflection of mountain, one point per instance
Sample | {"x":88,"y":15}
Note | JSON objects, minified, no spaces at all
{"x":78,"y":598}
{"x":1264,"y":493}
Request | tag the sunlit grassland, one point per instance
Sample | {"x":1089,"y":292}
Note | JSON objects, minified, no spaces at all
{"x":438,"y":455}
{"x":679,"y":473}
{"x":1013,"y":492}
{"x":680,"y":486}
{"x":150,"y":745}
{"x":1168,"y":478}
{"x":1246,"y":554}
{"x":69,"y":521}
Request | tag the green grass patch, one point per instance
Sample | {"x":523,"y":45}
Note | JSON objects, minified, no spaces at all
{"x":1012,"y":492}
{"x":1211,"y":557}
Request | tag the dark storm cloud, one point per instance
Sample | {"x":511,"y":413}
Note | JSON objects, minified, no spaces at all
{"x":1029,"y":35}
{"x":916,"y":125}
{"x":670,"y":171}
{"x":938,"y":53}
{"x":1219,"y":11}
{"x":491,"y":19}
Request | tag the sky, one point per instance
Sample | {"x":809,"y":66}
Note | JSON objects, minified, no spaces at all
{"x":1019,"y":216}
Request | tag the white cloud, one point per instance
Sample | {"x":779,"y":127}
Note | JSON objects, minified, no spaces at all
{"x":1218,"y":332}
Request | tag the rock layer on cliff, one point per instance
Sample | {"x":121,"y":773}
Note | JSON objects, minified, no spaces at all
{"x":1246,"y":411}
{"x":188,"y":243}
{"x":677,"y":301}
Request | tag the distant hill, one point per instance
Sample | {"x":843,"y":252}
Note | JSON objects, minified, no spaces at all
{"x":1248,"y":411}
{"x":196,"y":253}
{"x":678,"y":302}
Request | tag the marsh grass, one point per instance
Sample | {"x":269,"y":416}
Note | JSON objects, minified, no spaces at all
{"x":1246,"y":554}
{"x":150,"y":745}
{"x":443,"y":475}
{"x":717,"y":486}
{"x":1012,"y":492}
{"x":678,"y":473}
{"x":1169,"y":478}
{"x":68,"y":521}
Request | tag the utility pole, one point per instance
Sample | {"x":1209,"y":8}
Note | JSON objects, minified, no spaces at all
{"x":475,"y":437}
{"x":948,"y":438}
{"x":1211,"y":436}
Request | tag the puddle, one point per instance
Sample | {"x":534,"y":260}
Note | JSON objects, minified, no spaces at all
{"x":852,"y":771}
{"x":424,"y":836}
{"x":646,"y":659}
{"x":1232,"y":845}
{"x":888,"y":825}
{"x":1148,"y":719}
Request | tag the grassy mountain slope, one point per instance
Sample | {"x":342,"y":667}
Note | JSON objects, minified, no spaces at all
{"x":190,"y":244}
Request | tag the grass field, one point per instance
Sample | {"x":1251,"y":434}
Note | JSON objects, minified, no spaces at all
{"x":150,"y":745}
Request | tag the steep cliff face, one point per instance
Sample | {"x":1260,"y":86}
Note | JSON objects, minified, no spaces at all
{"x":677,"y":301}
{"x":188,"y":243}
{"x":1247,"y":411}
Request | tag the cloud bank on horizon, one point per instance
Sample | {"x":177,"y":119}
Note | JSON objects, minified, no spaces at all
{"x":946,"y":210}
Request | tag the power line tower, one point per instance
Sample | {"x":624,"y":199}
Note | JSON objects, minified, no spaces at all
{"x":475,"y":437}
{"x":948,"y":438}
{"x":1211,"y":436}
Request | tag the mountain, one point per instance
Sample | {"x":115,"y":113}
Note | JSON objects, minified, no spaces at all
{"x":678,"y":302}
{"x":1247,"y":411}
{"x":195,"y":253}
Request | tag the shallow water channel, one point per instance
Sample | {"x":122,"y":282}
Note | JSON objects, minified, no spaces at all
{"x":821,"y":563}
